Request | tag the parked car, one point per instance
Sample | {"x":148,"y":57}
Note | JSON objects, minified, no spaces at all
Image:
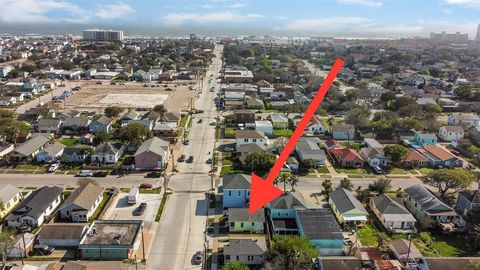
{"x":186,"y":142}
{"x":378,"y":170}
{"x":43,"y":250}
{"x":181,"y":158}
{"x":213,"y":123}
{"x":112,"y":190}
{"x":154,"y":174}
{"x":209,"y":161}
{"x":53,"y":167}
{"x":100,"y":174}
{"x":140,"y":209}
{"x":198,"y":257}
{"x":146,"y":185}
{"x":85,"y":173}
{"x":190,"y":159}
{"x":200,"y":121}
{"x":228,"y":149}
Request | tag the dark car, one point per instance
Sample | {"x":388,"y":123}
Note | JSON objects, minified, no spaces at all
{"x":198,"y":257}
{"x":140,"y":209}
{"x":200,"y":121}
{"x":43,"y":250}
{"x":190,"y":159}
{"x":209,"y":161}
{"x":100,"y":174}
{"x":181,"y":158}
{"x":154,"y":175}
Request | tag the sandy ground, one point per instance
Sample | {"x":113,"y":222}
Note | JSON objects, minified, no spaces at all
{"x":131,"y":95}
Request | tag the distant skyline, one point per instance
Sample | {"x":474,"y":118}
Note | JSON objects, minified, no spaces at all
{"x":344,"y":18}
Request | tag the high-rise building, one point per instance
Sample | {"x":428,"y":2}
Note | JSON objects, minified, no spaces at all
{"x":103,"y":35}
{"x":478,"y":34}
{"x":447,"y":37}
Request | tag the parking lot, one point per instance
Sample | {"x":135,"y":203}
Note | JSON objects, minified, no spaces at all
{"x":121,"y":210}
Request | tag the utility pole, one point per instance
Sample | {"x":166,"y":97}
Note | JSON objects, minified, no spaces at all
{"x":409,"y":245}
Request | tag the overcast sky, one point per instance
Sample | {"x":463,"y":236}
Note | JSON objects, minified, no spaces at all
{"x":352,"y":18}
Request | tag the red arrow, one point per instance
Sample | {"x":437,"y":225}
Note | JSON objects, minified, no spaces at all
{"x":263,"y":191}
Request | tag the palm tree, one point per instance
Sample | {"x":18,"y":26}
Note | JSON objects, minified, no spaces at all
{"x":293,"y":181}
{"x":330,"y":122}
{"x":13,"y":132}
{"x":346,"y":183}
{"x":382,"y":185}
{"x":283,"y":178}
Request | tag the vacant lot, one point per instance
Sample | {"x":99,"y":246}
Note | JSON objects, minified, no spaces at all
{"x":97,"y":97}
{"x":120,"y":209}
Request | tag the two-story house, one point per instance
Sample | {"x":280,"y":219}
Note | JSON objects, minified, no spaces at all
{"x":250,"y":136}
{"x":102,"y":124}
{"x":236,"y":191}
{"x":467,"y":200}
{"x":426,"y":207}
{"x":463,"y":119}
{"x":451,"y":133}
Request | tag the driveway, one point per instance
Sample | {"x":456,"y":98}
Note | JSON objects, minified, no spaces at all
{"x":121,"y":210}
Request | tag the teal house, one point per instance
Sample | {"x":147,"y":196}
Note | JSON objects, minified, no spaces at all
{"x":111,"y":240}
{"x":282,"y":212}
{"x":321,"y":228}
{"x":239,"y":221}
{"x":236,"y":190}
{"x":423,"y":139}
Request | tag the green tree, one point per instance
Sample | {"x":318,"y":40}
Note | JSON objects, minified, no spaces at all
{"x":309,"y":163}
{"x":282,"y":178}
{"x":448,"y":181}
{"x":358,"y":117}
{"x":395,"y":152}
{"x":327,"y":187}
{"x":293,"y":252}
{"x":101,"y":137}
{"x":363,"y":195}
{"x":161,"y":110}
{"x":234,"y":265}
{"x":112,"y":111}
{"x":134,"y":134}
{"x":382,"y":185}
{"x":293,"y":181}
{"x":6,"y":239}
{"x":260,"y":160}
{"x":346,"y":183}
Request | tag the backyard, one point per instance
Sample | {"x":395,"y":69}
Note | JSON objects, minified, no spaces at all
{"x":68,"y":142}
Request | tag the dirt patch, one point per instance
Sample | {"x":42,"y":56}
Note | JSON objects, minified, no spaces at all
{"x":175,"y":97}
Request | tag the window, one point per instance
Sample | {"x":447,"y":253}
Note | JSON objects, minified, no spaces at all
{"x":232,"y":224}
{"x":239,"y":193}
{"x":245,"y":140}
{"x":253,"y":223}
{"x":237,"y":257}
{"x":227,"y":257}
{"x":254,"y":140}
{"x":229,"y":193}
{"x":241,"y":225}
{"x":250,"y":258}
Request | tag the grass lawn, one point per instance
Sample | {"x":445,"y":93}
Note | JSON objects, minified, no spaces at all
{"x":229,"y":131}
{"x":29,"y":166}
{"x":226,"y":170}
{"x":396,"y":170}
{"x":218,"y":130}
{"x":352,"y":170}
{"x":183,"y":120}
{"x":323,"y":170}
{"x":368,"y":236}
{"x":162,"y":206}
{"x":150,"y":190}
{"x":282,"y":132}
{"x":100,"y":207}
{"x":68,"y":142}
{"x":351,"y":145}
{"x":425,"y":170}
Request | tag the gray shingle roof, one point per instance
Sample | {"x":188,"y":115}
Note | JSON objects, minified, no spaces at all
{"x":103,"y":120}
{"x":386,"y":205}
{"x":429,"y":202}
{"x":246,"y":246}
{"x":36,"y":204}
{"x":27,"y":148}
{"x":236,"y":181}
{"x":345,"y":201}
{"x":155,"y":145}
{"x":111,"y":148}
{"x":84,"y":196}
{"x":8,"y":192}
{"x":241,"y":215}
{"x":291,"y":200}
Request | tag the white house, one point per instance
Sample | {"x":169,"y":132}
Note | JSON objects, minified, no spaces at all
{"x":250,"y":136}
{"x":316,"y":126}
{"x":464,"y":119}
{"x":6,"y":101}
{"x":392,"y":214}
{"x":264,"y":126}
{"x":36,"y":208}
{"x":451,"y":133}
{"x":108,"y":152}
{"x":82,"y":203}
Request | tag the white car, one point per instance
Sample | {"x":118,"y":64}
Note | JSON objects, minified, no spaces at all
{"x":85,"y":173}
{"x":53,"y":167}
